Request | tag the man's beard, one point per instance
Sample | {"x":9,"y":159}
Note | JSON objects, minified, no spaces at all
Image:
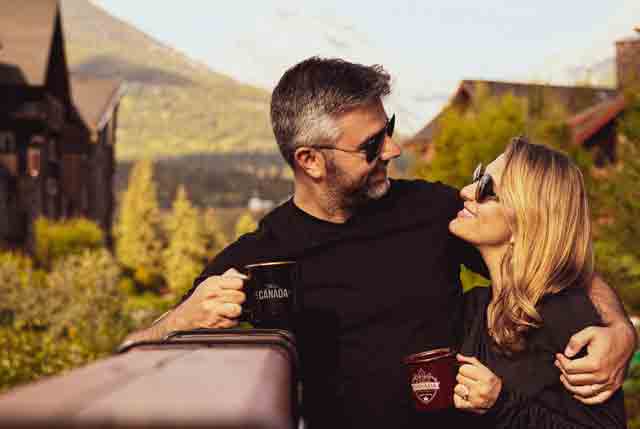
{"x":347,"y":194}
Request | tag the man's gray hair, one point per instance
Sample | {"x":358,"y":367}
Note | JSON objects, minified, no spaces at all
{"x":311,"y":94}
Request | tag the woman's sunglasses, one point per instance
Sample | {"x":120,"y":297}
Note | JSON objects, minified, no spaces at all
{"x":484,"y":188}
{"x":372,"y":147}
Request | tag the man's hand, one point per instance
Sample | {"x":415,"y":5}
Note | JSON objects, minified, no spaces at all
{"x":478,"y":387}
{"x":216,"y":303}
{"x":594,"y":378}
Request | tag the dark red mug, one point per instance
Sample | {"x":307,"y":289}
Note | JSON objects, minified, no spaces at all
{"x":432,"y":377}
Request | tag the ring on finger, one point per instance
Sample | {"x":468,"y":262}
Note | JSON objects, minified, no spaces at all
{"x":465,"y":396}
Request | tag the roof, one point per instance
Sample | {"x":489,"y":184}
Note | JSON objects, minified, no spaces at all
{"x":95,"y":99}
{"x":574,"y":98}
{"x":591,"y":120}
{"x":429,"y":131}
{"x":26,"y":32}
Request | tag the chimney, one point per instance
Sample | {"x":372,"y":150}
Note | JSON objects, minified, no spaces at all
{"x":628,"y":61}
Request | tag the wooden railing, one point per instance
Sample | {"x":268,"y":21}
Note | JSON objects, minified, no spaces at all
{"x":213,"y":381}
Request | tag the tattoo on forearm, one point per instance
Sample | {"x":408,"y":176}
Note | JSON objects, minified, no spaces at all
{"x":606,"y":301}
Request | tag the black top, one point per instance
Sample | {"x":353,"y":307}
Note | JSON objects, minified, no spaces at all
{"x":376,"y":288}
{"x":533,"y":395}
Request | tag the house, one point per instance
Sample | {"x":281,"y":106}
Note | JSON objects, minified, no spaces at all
{"x":592,"y":110}
{"x":57,"y":131}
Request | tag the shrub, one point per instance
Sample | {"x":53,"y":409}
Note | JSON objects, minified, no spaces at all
{"x":57,"y":239}
{"x":77,"y":314}
{"x":144,"y":309}
{"x":148,"y":280}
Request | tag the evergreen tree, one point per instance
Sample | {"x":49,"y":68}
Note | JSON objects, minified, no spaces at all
{"x":183,"y":257}
{"x":137,"y":231}
{"x":245,"y":224}
{"x":214,"y":236}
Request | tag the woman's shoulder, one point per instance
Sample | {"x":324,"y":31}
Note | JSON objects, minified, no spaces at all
{"x":477,"y":297}
{"x":566,"y":312}
{"x":476,"y":301}
{"x":571,"y":302}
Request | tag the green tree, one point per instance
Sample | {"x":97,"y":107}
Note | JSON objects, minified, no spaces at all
{"x":183,"y":258}
{"x":629,"y":125}
{"x":617,"y":211}
{"x":245,"y":224}
{"x":215,"y":238}
{"x":138,"y":228}
{"x":478,"y":134}
{"x":57,"y":239}
{"x":616,"y":207}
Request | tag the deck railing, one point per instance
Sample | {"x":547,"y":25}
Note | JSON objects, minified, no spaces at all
{"x":215,"y":380}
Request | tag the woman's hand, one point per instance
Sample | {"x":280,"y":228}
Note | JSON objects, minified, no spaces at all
{"x":478,"y":388}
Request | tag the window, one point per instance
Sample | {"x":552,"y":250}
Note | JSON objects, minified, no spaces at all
{"x":8,"y":152}
{"x":7,"y":142}
{"x":53,"y":153}
{"x":33,"y":161}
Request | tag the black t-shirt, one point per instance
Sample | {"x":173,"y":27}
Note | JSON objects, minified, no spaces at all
{"x":533,"y":395}
{"x":376,"y":288}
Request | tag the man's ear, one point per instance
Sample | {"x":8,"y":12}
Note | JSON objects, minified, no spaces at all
{"x":310,"y":161}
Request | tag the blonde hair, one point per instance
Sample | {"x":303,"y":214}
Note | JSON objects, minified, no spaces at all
{"x":551,"y":248}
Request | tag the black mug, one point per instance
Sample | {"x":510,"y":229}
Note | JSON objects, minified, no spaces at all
{"x":272,"y":297}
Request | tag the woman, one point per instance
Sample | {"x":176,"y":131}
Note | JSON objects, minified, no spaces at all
{"x":528,"y":216}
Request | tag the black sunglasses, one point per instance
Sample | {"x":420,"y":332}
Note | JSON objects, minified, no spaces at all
{"x":484,"y":188}
{"x":372,"y":147}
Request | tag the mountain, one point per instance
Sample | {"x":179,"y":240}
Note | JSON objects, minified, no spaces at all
{"x":602,"y":73}
{"x":174,"y":105}
{"x":203,"y":129}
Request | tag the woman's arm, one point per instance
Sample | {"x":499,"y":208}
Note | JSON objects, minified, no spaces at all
{"x":594,"y":377}
{"x":513,"y":410}
{"x":480,"y":391}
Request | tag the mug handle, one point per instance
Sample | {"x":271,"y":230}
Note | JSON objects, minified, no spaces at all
{"x":246,"y":314}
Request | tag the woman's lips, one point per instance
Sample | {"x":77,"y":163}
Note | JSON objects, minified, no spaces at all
{"x":465,"y":213}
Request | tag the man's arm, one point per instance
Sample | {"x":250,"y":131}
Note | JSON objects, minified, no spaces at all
{"x":215,"y":303}
{"x":608,"y":304}
{"x":595,"y":377}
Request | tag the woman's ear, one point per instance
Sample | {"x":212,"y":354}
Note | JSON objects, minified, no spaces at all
{"x":310,"y":161}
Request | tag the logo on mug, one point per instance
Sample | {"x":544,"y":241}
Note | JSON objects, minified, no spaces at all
{"x":425,"y":386}
{"x":272,"y":291}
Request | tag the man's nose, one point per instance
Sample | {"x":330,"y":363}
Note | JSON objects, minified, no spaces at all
{"x":468,"y":193}
{"x":390,"y":149}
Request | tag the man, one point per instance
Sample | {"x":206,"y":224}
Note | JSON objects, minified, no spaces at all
{"x":379,"y":269}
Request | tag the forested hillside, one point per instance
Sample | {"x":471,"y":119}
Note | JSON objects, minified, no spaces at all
{"x":211,"y":132}
{"x":174,"y":105}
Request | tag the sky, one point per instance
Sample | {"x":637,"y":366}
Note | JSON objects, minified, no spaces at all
{"x":428,"y":46}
